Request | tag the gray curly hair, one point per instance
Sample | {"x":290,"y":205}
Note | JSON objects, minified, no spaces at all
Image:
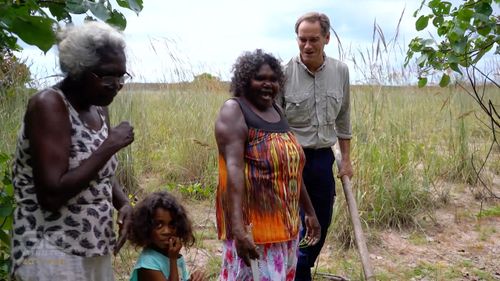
{"x":79,"y":46}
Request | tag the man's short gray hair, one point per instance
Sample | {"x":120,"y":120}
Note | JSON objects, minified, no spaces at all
{"x":323,"y":20}
{"x":79,"y":45}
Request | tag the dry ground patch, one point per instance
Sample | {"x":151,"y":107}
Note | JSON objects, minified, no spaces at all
{"x":451,"y":243}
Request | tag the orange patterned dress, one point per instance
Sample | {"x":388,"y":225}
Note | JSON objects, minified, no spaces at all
{"x":274,"y":161}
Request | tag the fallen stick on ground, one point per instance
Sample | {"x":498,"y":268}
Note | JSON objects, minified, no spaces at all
{"x":331,"y":277}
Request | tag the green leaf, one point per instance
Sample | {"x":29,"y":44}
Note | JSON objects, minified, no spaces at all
{"x":484,"y":30}
{"x":444,"y":28}
{"x":456,"y":34}
{"x":4,"y":237}
{"x":437,"y":21}
{"x":445,"y":80}
{"x":428,"y":42}
{"x":59,"y":11}
{"x":465,"y":14}
{"x":118,"y":20}
{"x":421,"y":23}
{"x":136,"y":5}
{"x":434,"y":3}
{"x":483,"y":8}
{"x":123,"y":3}
{"x":422,"y":81}
{"x":8,"y":41}
{"x":9,"y":189}
{"x":100,"y":11}
{"x":6,"y":211}
{"x":481,"y":53}
{"x":415,"y":44}
{"x":452,"y":58}
{"x":35,"y":30}
{"x":444,"y":7}
{"x":77,"y":6}
{"x":454,"y":67}
{"x":459,"y":46}
{"x":421,"y":60}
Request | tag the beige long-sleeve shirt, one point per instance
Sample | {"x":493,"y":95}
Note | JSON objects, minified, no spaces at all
{"x":317,"y":105}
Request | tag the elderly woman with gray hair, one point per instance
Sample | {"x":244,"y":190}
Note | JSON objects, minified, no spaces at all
{"x":63,"y":175}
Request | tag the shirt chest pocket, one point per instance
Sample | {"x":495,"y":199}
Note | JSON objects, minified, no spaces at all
{"x":333,"y":105}
{"x":298,"y":109}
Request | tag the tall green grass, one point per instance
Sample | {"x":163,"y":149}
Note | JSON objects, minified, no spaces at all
{"x":174,"y":141}
{"x":408,"y":142}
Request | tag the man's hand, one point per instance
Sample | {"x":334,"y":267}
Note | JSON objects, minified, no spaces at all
{"x":124,"y":220}
{"x":345,"y":169}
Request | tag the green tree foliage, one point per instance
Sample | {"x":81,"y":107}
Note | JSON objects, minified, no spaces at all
{"x":208,"y":82}
{"x":204,"y":77}
{"x":35,"y":21}
{"x":7,"y":206}
{"x":467,"y":33}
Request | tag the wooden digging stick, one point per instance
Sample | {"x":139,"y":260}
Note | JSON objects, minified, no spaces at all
{"x":356,"y":222}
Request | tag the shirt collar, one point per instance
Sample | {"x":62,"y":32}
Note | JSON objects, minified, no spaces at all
{"x":299,"y":61}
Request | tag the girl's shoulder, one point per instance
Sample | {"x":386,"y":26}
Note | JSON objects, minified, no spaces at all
{"x":149,"y":252}
{"x":154,"y":260}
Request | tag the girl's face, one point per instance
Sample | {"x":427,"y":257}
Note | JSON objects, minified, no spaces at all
{"x":163,"y":228}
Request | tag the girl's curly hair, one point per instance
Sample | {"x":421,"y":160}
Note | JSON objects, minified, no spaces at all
{"x":246,"y":67}
{"x":142,"y":219}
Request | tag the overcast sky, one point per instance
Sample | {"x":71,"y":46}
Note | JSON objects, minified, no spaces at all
{"x":174,"y":40}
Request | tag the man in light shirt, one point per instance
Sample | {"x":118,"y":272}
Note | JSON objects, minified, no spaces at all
{"x":316,"y":102}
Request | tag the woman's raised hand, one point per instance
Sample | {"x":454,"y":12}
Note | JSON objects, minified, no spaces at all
{"x":121,"y":135}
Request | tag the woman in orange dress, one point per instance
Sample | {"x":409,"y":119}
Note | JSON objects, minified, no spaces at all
{"x":260,"y":177}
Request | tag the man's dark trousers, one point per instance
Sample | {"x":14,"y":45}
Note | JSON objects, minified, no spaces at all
{"x":320,"y":185}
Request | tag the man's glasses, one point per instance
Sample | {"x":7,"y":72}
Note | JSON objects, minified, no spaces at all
{"x":109,"y":80}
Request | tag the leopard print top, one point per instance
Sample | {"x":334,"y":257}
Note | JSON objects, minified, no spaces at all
{"x":84,"y":225}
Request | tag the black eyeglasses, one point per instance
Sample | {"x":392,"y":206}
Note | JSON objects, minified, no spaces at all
{"x":110,"y":80}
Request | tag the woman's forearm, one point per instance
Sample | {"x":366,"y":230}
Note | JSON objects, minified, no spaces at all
{"x":305,"y":201}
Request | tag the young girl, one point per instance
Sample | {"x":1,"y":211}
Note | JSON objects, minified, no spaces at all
{"x":160,"y":225}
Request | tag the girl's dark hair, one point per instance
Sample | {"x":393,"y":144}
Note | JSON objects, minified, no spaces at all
{"x":246,"y":67}
{"x":142,"y":219}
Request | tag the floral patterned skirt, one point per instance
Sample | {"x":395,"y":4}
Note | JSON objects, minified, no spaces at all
{"x":277,"y":262}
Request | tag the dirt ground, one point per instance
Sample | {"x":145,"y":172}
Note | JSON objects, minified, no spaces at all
{"x":452,"y":243}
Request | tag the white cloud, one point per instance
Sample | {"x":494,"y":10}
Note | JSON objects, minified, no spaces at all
{"x":175,"y":40}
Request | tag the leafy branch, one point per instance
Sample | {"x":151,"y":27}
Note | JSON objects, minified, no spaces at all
{"x":467,"y":33}
{"x":29,"y":21}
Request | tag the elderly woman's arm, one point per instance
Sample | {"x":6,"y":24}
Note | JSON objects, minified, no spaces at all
{"x":122,"y":204}
{"x":231,"y":133}
{"x":48,"y":129}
